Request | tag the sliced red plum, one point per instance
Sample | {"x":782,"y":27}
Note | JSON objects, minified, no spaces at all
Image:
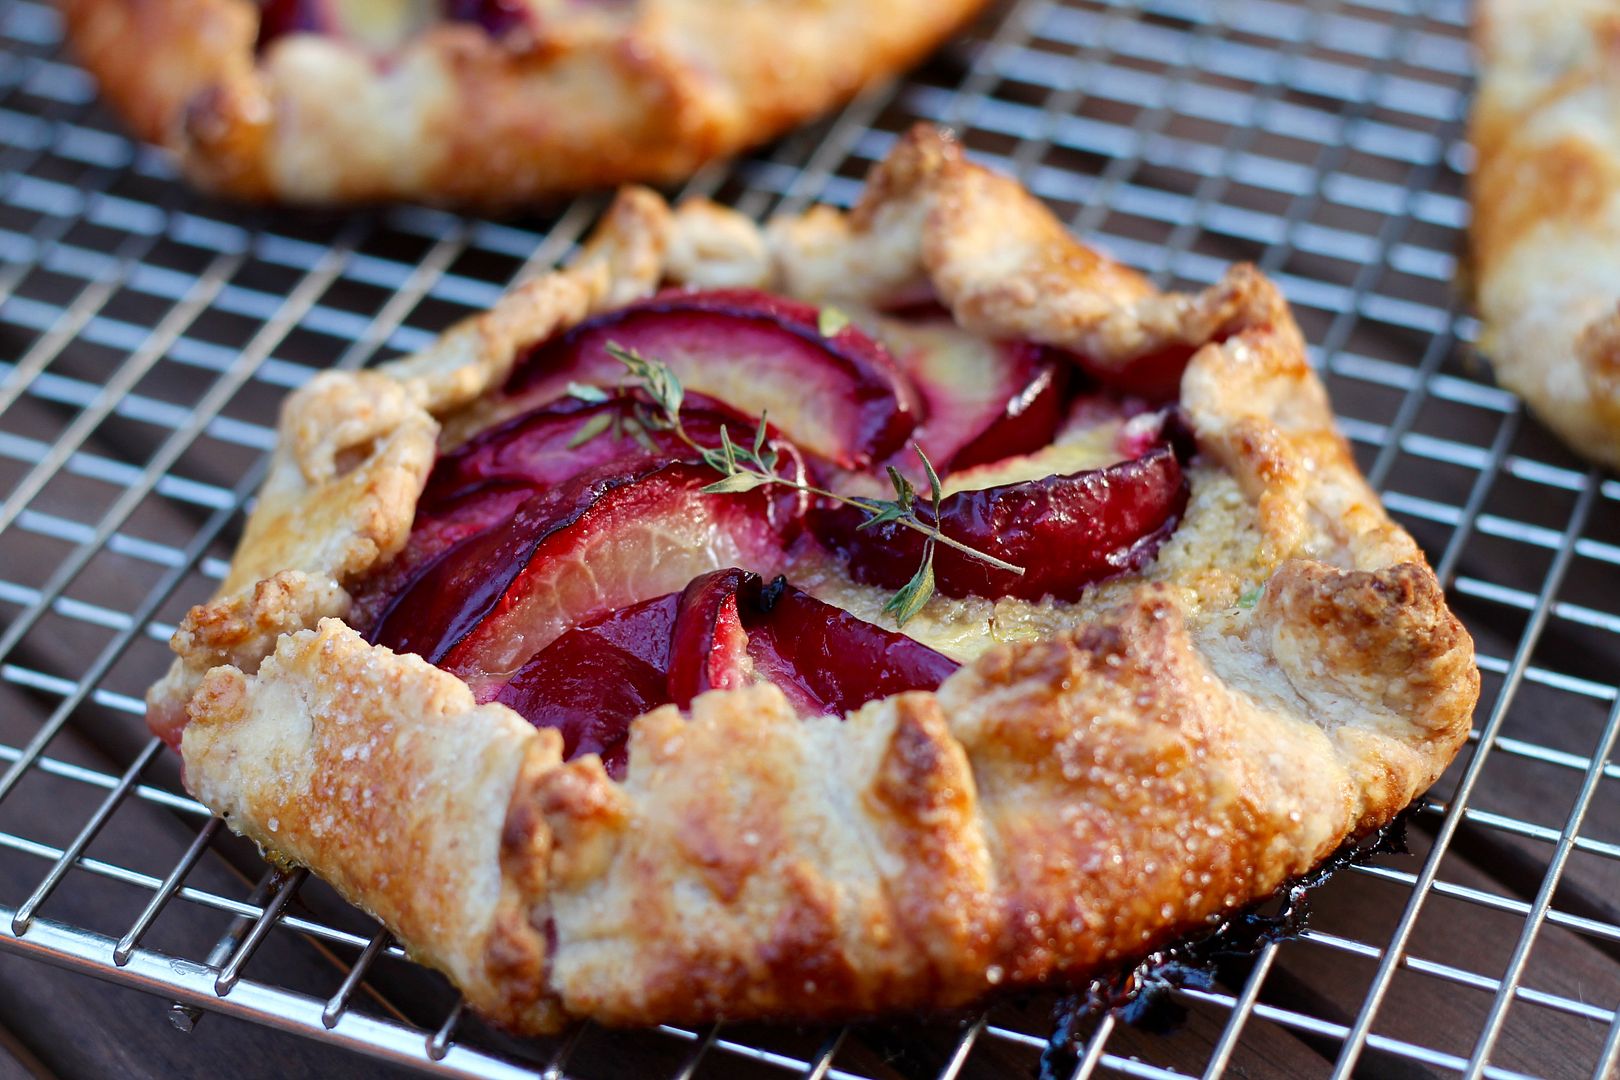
{"x":1154,"y":375}
{"x":1066,"y":530}
{"x":732,"y":629}
{"x":725,"y":630}
{"x":710,"y":646}
{"x":497,"y":17}
{"x":375,"y":25}
{"x":596,"y":678}
{"x":435,"y":530}
{"x":562,"y":439}
{"x":840,"y":396}
{"x":545,"y":447}
{"x":985,"y":399}
{"x":599,"y":542}
{"x":1027,"y":423}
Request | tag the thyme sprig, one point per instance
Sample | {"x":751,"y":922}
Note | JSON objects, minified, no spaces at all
{"x":753,"y":465}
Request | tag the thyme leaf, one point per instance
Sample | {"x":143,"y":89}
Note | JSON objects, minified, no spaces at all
{"x":735,"y":484}
{"x":585,"y":392}
{"x":759,"y":436}
{"x":933,"y":479}
{"x":830,"y":321}
{"x":916,"y":592}
{"x":591,"y":428}
{"x":882,"y":513}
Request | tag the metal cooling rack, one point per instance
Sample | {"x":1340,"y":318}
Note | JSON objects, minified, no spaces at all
{"x":148,"y":334}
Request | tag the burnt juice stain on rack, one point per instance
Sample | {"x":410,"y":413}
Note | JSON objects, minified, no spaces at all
{"x":1142,"y":995}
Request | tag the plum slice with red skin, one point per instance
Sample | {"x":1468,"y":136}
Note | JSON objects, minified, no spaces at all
{"x":709,"y":650}
{"x":497,"y":17}
{"x":733,"y":629}
{"x":725,"y":630}
{"x":555,"y":442}
{"x":596,"y":678}
{"x":1067,"y":531}
{"x":378,"y":26}
{"x":1027,"y":421}
{"x":447,"y":524}
{"x":802,"y":639}
{"x":483,"y":482}
{"x":840,"y":396}
{"x":599,"y":542}
{"x":983,"y":397}
{"x":1155,"y":375}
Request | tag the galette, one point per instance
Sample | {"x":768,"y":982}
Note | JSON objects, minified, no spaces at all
{"x":492,"y":103}
{"x":1545,"y":235}
{"x":858,"y":614}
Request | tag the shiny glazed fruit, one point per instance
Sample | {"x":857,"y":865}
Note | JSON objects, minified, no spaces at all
{"x":1027,"y":421}
{"x":433,"y":532}
{"x":723,"y":631}
{"x":558,"y":441}
{"x":839,"y":397}
{"x":732,"y":629}
{"x":983,"y":400}
{"x":597,"y":543}
{"x":596,"y":678}
{"x":1155,"y":376}
{"x":1066,"y":531}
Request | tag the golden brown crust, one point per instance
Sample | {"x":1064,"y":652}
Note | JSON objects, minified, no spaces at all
{"x":1054,"y":807}
{"x":602,"y":95}
{"x":1546,"y":195}
{"x":339,"y":498}
{"x":1153,"y":757}
{"x":999,"y":260}
{"x":385,"y":774}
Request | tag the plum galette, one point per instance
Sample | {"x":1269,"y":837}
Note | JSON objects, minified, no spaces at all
{"x":857,"y":614}
{"x":484,"y":102}
{"x":1545,"y":233}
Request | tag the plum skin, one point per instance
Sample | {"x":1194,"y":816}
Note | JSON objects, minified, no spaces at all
{"x":734,"y":629}
{"x":457,"y":603}
{"x":542,"y":448}
{"x":596,"y":678}
{"x":725,"y":630}
{"x":728,"y":343}
{"x":1066,"y":531}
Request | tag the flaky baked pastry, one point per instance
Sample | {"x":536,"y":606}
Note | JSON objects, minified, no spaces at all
{"x":481,"y":102}
{"x":1257,"y":664}
{"x":1546,"y":196}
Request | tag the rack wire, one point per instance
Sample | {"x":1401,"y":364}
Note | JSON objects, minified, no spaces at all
{"x":147,"y":335}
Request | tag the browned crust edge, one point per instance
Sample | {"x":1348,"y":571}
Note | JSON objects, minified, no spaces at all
{"x":1055,"y":806}
{"x":646,"y":93}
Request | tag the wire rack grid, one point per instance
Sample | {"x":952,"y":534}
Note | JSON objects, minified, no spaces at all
{"x":147,"y":335}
